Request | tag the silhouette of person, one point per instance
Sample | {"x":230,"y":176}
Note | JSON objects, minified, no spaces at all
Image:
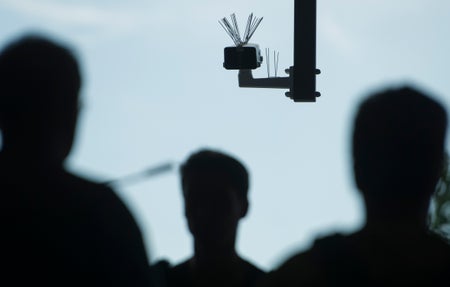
{"x":215,"y":187}
{"x":398,"y":151}
{"x":57,"y":228}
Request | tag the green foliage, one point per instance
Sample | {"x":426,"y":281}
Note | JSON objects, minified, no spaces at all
{"x":439,"y":216}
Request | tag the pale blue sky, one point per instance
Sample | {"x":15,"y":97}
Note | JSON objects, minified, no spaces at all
{"x":155,"y":90}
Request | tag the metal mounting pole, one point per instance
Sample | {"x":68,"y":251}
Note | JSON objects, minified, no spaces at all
{"x":304,"y":72}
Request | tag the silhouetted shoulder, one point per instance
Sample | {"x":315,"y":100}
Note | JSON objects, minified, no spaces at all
{"x":302,"y":269}
{"x":181,"y":275}
{"x":356,"y":260}
{"x":74,"y":227}
{"x":119,"y":236}
{"x":253,"y":274}
{"x":91,"y":194}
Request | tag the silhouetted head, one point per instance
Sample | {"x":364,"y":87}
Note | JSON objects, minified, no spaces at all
{"x":398,"y":146}
{"x":215,"y":187}
{"x":39,"y":88}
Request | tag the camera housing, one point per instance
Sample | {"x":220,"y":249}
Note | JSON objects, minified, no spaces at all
{"x":245,"y":57}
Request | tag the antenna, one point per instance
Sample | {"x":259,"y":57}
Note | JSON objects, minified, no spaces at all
{"x":233,"y":29}
{"x":276,"y":60}
{"x":268,"y":62}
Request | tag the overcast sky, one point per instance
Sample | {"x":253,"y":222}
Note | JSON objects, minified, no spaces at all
{"x":155,"y":91}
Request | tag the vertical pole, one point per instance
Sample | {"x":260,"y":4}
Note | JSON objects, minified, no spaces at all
{"x":304,"y":87}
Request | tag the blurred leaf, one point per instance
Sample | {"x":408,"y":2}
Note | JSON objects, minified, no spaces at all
{"x":439,"y":213}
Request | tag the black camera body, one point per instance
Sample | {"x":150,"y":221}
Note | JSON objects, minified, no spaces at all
{"x":246,"y":57}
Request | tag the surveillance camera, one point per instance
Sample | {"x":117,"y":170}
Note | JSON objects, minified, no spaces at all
{"x":246,"y":57}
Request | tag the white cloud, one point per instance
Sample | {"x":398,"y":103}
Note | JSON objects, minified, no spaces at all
{"x":336,"y":34}
{"x":104,"y":18}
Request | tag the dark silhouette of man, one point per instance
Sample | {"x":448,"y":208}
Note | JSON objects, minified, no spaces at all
{"x":398,"y":151}
{"x":215,"y":187}
{"x":57,"y":228}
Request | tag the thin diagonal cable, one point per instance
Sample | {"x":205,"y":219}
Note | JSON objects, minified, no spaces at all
{"x":229,"y":29}
{"x":255,"y":26}
{"x":236,"y":27}
{"x":247,"y":28}
{"x":229,"y":33}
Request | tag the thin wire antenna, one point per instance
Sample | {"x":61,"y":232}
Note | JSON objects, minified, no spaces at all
{"x":225,"y":27}
{"x":268,"y":62}
{"x":247,"y":28}
{"x":232,"y":32}
{"x":276,"y":59}
{"x":232,"y":29}
{"x":229,"y":29}
{"x":253,"y":24}
{"x":226,"y":30}
{"x":254,"y":27}
{"x":236,"y":27}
